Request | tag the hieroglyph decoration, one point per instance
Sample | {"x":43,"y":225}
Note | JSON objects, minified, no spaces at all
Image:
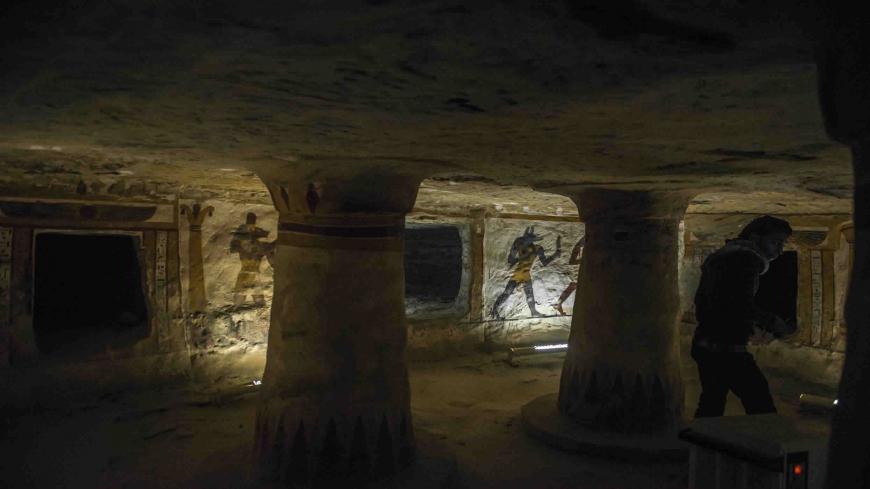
{"x":160,"y":269}
{"x":816,"y":268}
{"x":5,"y":273}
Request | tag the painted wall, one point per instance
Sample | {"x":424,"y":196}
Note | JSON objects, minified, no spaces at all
{"x":506,"y":286}
{"x":228,"y":336}
{"x":224,"y":337}
{"x":814,"y":353}
{"x":159,"y":353}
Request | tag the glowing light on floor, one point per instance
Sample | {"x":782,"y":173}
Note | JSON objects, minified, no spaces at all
{"x":551,"y":347}
{"x":256,"y":382}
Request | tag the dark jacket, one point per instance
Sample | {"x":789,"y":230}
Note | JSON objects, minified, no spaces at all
{"x":725,"y":301}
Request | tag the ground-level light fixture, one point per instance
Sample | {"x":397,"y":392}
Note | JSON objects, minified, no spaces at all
{"x":811,"y":403}
{"x":534,"y":350}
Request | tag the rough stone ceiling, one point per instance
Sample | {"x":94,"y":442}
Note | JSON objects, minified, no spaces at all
{"x":631,"y":94}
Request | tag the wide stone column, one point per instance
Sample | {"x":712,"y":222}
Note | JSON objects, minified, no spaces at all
{"x":335,"y":402}
{"x":622,"y":370}
{"x":843,"y":57}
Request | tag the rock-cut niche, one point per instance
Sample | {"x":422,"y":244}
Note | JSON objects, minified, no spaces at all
{"x":88,"y":293}
{"x":433,"y":267}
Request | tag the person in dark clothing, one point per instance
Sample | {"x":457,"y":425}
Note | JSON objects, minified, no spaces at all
{"x":728,"y":317}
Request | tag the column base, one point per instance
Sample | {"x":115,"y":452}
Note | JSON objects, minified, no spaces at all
{"x":301,"y":443}
{"x":433,"y":467}
{"x":542,"y":420}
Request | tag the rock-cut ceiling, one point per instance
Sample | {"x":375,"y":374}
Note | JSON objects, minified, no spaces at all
{"x":488,"y":96}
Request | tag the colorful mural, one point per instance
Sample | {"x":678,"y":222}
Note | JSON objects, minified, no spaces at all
{"x":251,"y":250}
{"x":576,"y":255}
{"x":517,"y":255}
{"x":521,"y":257}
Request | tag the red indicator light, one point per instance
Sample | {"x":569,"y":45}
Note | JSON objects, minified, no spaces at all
{"x":797,"y":469}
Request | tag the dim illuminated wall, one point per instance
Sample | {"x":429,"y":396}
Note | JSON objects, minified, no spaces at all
{"x":158,"y":350}
{"x":823,"y":250}
{"x":511,"y":319}
{"x":228,"y":338}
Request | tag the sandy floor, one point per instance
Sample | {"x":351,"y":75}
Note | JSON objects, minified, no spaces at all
{"x":181,"y":438}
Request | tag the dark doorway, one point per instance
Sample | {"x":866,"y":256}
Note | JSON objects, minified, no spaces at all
{"x":88,"y":293}
{"x":777,"y":289}
{"x":433,"y":266}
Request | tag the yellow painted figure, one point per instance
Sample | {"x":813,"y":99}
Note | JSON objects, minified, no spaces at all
{"x":246,"y":242}
{"x":522,"y":256}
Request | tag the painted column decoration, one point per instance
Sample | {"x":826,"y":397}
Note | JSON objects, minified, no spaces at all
{"x":196,"y":282}
{"x":336,"y":400}
{"x":160,"y":296}
{"x":622,"y":369}
{"x":5,"y":292}
{"x":816,"y":271}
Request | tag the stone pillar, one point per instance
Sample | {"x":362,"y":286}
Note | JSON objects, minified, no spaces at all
{"x":848,"y":463}
{"x":622,"y":370}
{"x":335,"y":402}
{"x":843,"y":57}
{"x":196,"y":282}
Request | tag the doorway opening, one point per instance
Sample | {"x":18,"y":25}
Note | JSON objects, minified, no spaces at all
{"x":778,"y":288}
{"x":433,"y":267}
{"x":88,"y":293}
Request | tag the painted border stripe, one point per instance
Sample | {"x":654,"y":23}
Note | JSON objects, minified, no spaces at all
{"x":343,"y":231}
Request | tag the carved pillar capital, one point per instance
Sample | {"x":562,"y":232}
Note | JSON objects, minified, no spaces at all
{"x":196,"y":215}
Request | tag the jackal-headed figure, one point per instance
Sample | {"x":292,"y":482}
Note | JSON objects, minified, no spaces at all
{"x":522,"y":256}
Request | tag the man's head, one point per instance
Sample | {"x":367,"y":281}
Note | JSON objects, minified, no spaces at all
{"x":768,"y":233}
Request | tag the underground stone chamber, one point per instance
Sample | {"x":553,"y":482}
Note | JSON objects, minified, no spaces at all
{"x":321,"y":197}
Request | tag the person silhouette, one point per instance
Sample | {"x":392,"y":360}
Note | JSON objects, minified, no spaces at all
{"x":728,"y":318}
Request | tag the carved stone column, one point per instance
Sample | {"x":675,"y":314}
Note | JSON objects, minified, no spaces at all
{"x":843,"y":57}
{"x":335,"y":402}
{"x":196,"y":215}
{"x":622,"y":370}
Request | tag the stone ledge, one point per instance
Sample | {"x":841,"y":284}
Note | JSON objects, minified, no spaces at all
{"x":542,"y":420}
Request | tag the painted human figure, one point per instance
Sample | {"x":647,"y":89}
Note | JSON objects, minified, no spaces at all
{"x":246,"y":242}
{"x":522,"y":256}
{"x":576,"y":254}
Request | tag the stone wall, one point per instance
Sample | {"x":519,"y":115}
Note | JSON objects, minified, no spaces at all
{"x":815,"y":352}
{"x":228,"y":337}
{"x":159,"y":344}
{"x":513,"y":322}
{"x":216,"y":327}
